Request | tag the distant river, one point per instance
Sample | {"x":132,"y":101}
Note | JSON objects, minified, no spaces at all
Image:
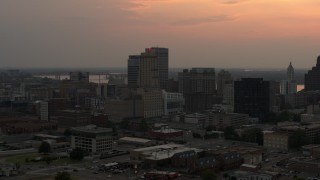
{"x":92,"y":78}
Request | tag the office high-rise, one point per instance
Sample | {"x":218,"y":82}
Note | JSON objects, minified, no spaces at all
{"x":312,"y":78}
{"x":290,"y":72}
{"x":254,"y":96}
{"x":162,"y":58}
{"x":133,"y":71}
{"x":148,"y":77}
{"x":289,"y":86}
{"x":198,"y":88}
{"x":149,"y":69}
{"x":223,"y":78}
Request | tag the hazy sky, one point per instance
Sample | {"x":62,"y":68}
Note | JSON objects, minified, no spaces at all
{"x":199,"y":33}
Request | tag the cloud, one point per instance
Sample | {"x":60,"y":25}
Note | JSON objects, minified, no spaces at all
{"x":203,"y":20}
{"x":139,"y":1}
{"x":233,"y":1}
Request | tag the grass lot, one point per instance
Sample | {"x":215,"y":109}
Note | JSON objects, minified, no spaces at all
{"x":21,"y":159}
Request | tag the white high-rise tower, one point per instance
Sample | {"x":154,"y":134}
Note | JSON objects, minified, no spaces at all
{"x":289,"y":86}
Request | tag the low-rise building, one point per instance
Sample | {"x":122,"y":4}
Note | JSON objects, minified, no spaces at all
{"x":312,"y":130}
{"x":251,"y":154}
{"x":8,"y":170}
{"x":163,"y":131}
{"x":159,"y":154}
{"x":249,"y":175}
{"x":92,"y":139}
{"x":222,"y":120}
{"x":274,"y":140}
{"x":73,"y":118}
{"x":173,"y":103}
{"x":195,"y":118}
{"x":311,"y":150}
{"x":304,"y":164}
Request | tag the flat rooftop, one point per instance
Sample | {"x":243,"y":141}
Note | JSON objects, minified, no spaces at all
{"x":167,"y":131}
{"x":92,"y":129}
{"x":165,"y":151}
{"x":134,"y":139}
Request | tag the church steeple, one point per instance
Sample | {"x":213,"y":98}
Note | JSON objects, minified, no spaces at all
{"x":290,"y":72}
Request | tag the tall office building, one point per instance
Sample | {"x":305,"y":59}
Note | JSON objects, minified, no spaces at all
{"x":147,"y":76}
{"x":223,"y":78}
{"x":290,"y":72}
{"x":198,"y":88}
{"x":149,"y":69}
{"x":254,"y":96}
{"x":133,"y":70}
{"x":228,"y":97}
{"x":148,"y":72}
{"x":312,"y":78}
{"x":289,"y":86}
{"x":162,"y":56}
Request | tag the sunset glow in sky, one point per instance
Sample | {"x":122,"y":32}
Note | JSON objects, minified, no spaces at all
{"x":215,"y":33}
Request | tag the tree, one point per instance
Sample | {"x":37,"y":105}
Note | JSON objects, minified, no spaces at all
{"x":44,"y":147}
{"x":63,"y":176}
{"x":295,"y":177}
{"x":254,"y":135}
{"x":67,"y":132}
{"x":283,"y":116}
{"x":77,"y":154}
{"x":233,"y":178}
{"x":18,"y":166}
{"x":124,"y":123}
{"x":298,"y":139}
{"x":143,"y":126}
{"x":208,"y":175}
{"x":230,"y":133}
{"x":297,"y":118}
{"x":114,"y":131}
{"x":210,"y":128}
{"x":269,"y":118}
{"x":48,"y":160}
{"x":225,"y":175}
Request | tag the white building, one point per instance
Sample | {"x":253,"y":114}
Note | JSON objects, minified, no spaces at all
{"x":92,"y":139}
{"x":195,"y":118}
{"x":289,"y":86}
{"x":173,"y":103}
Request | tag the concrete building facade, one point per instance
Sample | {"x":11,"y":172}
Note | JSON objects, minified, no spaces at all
{"x":92,"y":139}
{"x":276,"y":141}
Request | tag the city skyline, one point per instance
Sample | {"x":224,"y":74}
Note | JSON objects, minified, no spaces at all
{"x":202,"y":33}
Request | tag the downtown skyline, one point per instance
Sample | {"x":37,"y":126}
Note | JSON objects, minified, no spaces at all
{"x":202,"y":33}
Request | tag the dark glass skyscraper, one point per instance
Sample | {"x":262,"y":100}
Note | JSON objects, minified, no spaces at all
{"x":198,"y":88}
{"x":312,"y":78}
{"x":133,"y":71}
{"x":254,"y":96}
